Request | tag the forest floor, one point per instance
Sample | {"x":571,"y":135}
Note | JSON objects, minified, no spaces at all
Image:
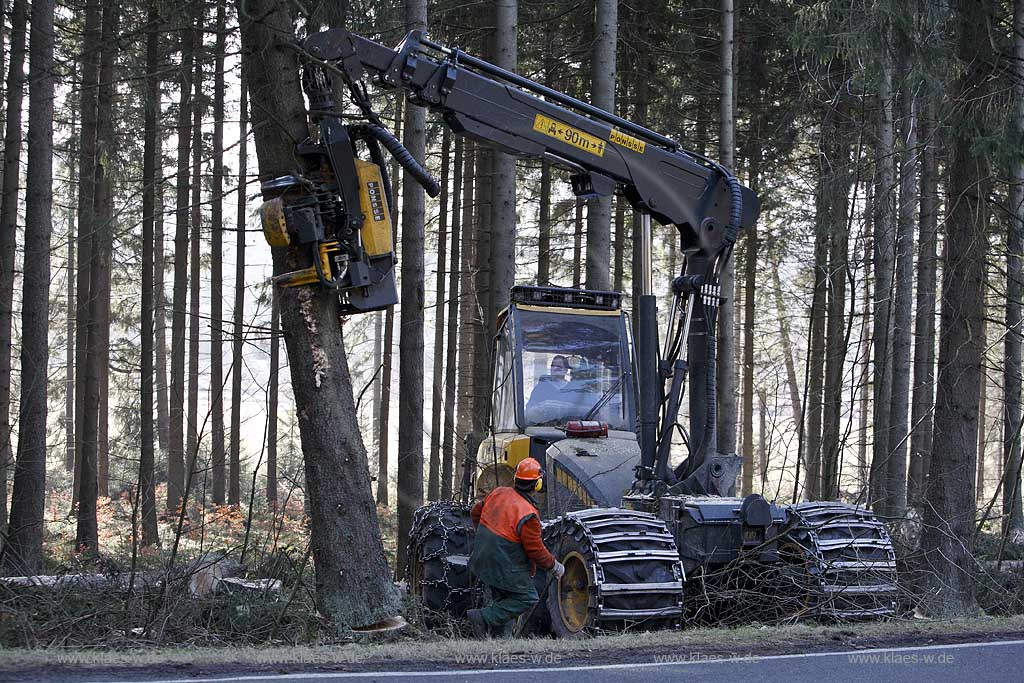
{"x":453,"y":654}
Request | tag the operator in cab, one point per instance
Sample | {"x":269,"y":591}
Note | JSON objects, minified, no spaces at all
{"x":507,"y":551}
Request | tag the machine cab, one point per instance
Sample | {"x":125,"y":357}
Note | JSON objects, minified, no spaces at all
{"x":562,"y":355}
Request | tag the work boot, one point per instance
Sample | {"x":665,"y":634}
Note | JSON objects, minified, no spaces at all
{"x":476,"y":620}
{"x":505,"y":631}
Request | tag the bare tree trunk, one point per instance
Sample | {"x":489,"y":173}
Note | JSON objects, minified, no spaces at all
{"x":726,"y":357}
{"x":949,"y":519}
{"x":544,"y":227}
{"x":448,"y":443}
{"x":787,"y":349}
{"x":384,"y":435}
{"x":467,"y":313}
{"x":750,"y":288}
{"x":272,"y":395}
{"x":620,"y":243}
{"x":924,"y":324}
{"x":353,"y":584}
{"x":176,"y":431}
{"x":503,"y":206}
{"x":884,"y":242}
{"x":163,"y":420}
{"x":979,"y":470}
{"x":763,"y":448}
{"x":602,"y":80}
{"x":24,"y":548}
{"x":903,"y":294}
{"x":151,"y":108}
{"x":819,"y":312}
{"x":195,"y":269}
{"x":238,"y":310}
{"x":410,"y":342}
{"x":1012,"y":510}
{"x":89,"y":83}
{"x":577,"y":246}
{"x":216,"y":269}
{"x":8,"y":230}
{"x":97,"y":330}
{"x":437,"y":374}
{"x":833,"y":440}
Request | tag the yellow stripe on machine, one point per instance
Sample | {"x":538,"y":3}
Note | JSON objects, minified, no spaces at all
{"x":569,"y":135}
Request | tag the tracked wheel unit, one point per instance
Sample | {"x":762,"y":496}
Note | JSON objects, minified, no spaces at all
{"x":439,"y":544}
{"x":622,"y":570}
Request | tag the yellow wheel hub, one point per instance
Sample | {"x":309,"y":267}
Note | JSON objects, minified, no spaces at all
{"x":574,"y":593}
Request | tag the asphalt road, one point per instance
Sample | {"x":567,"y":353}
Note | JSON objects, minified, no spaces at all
{"x":973,"y":662}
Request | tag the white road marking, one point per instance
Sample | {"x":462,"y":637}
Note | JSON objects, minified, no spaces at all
{"x":340,"y":675}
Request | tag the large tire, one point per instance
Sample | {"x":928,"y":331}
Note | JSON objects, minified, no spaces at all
{"x":622,"y":571}
{"x":441,"y":530}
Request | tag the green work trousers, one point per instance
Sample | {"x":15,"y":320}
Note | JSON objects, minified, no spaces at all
{"x":508,"y":605}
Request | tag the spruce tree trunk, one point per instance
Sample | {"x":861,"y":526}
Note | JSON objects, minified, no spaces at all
{"x":272,"y":396}
{"x":194,"y":474}
{"x":467,"y":316}
{"x":544,"y":227}
{"x":577,"y":246}
{"x":903,"y":293}
{"x":89,"y":83}
{"x":437,"y":372}
{"x":8,"y":231}
{"x":602,"y":86}
{"x":410,"y":342}
{"x":787,"y":349}
{"x":885,"y":244}
{"x":151,"y":108}
{"x":176,"y":427}
{"x":619,"y":243}
{"x":949,"y":518}
{"x":726,"y":356}
{"x":923,"y":400}
{"x":864,"y":383}
{"x":503,"y":207}
{"x":163,"y":421}
{"x":238,"y":310}
{"x":24,"y":548}
{"x":454,"y":294}
{"x":816,"y":343}
{"x":216,"y":269}
{"x":833,"y":440}
{"x":353,"y":584}
{"x":750,"y":288}
{"x":1013,"y":515}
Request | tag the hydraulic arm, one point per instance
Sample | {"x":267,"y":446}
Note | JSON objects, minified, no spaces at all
{"x":341,"y":210}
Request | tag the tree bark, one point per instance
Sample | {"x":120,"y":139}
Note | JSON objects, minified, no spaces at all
{"x":816,"y":342}
{"x":163,"y":419}
{"x":1013,"y":515}
{"x":885,"y":244}
{"x":8,"y":231}
{"x":89,"y":103}
{"x":410,"y":343}
{"x":503,"y":206}
{"x":454,"y":294}
{"x":833,"y":440}
{"x":924,"y":324}
{"x":726,"y":356}
{"x":151,"y":107}
{"x":272,"y":396}
{"x":24,"y":547}
{"x":238,"y":310}
{"x":750,"y":288}
{"x":194,"y":476}
{"x":787,"y":349}
{"x":467,"y":314}
{"x":176,"y":430}
{"x":353,"y":585}
{"x":602,"y":80}
{"x":216,"y":269}
{"x":903,"y":293}
{"x":577,"y":246}
{"x":437,"y":373}
{"x":620,"y":244}
{"x":949,"y":519}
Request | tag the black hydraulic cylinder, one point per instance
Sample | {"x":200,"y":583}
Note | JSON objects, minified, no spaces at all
{"x":647,"y":362}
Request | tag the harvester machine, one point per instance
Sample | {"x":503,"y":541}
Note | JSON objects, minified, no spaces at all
{"x":593,"y":396}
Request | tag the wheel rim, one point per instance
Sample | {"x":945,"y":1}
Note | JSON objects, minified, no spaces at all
{"x":574,"y":593}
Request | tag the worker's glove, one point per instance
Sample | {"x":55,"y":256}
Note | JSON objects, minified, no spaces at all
{"x":558,"y":570}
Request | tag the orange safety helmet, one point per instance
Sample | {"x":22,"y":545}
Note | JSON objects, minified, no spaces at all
{"x":528,"y":470}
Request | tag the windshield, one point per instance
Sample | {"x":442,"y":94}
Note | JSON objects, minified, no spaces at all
{"x":573,"y":368}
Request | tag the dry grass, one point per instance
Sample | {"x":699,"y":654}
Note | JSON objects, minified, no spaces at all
{"x":453,"y":652}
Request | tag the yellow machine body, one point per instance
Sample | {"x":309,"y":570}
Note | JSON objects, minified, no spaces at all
{"x":376,"y":231}
{"x":275,"y":227}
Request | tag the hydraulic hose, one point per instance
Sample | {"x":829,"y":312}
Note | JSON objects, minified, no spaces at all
{"x":400,"y":153}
